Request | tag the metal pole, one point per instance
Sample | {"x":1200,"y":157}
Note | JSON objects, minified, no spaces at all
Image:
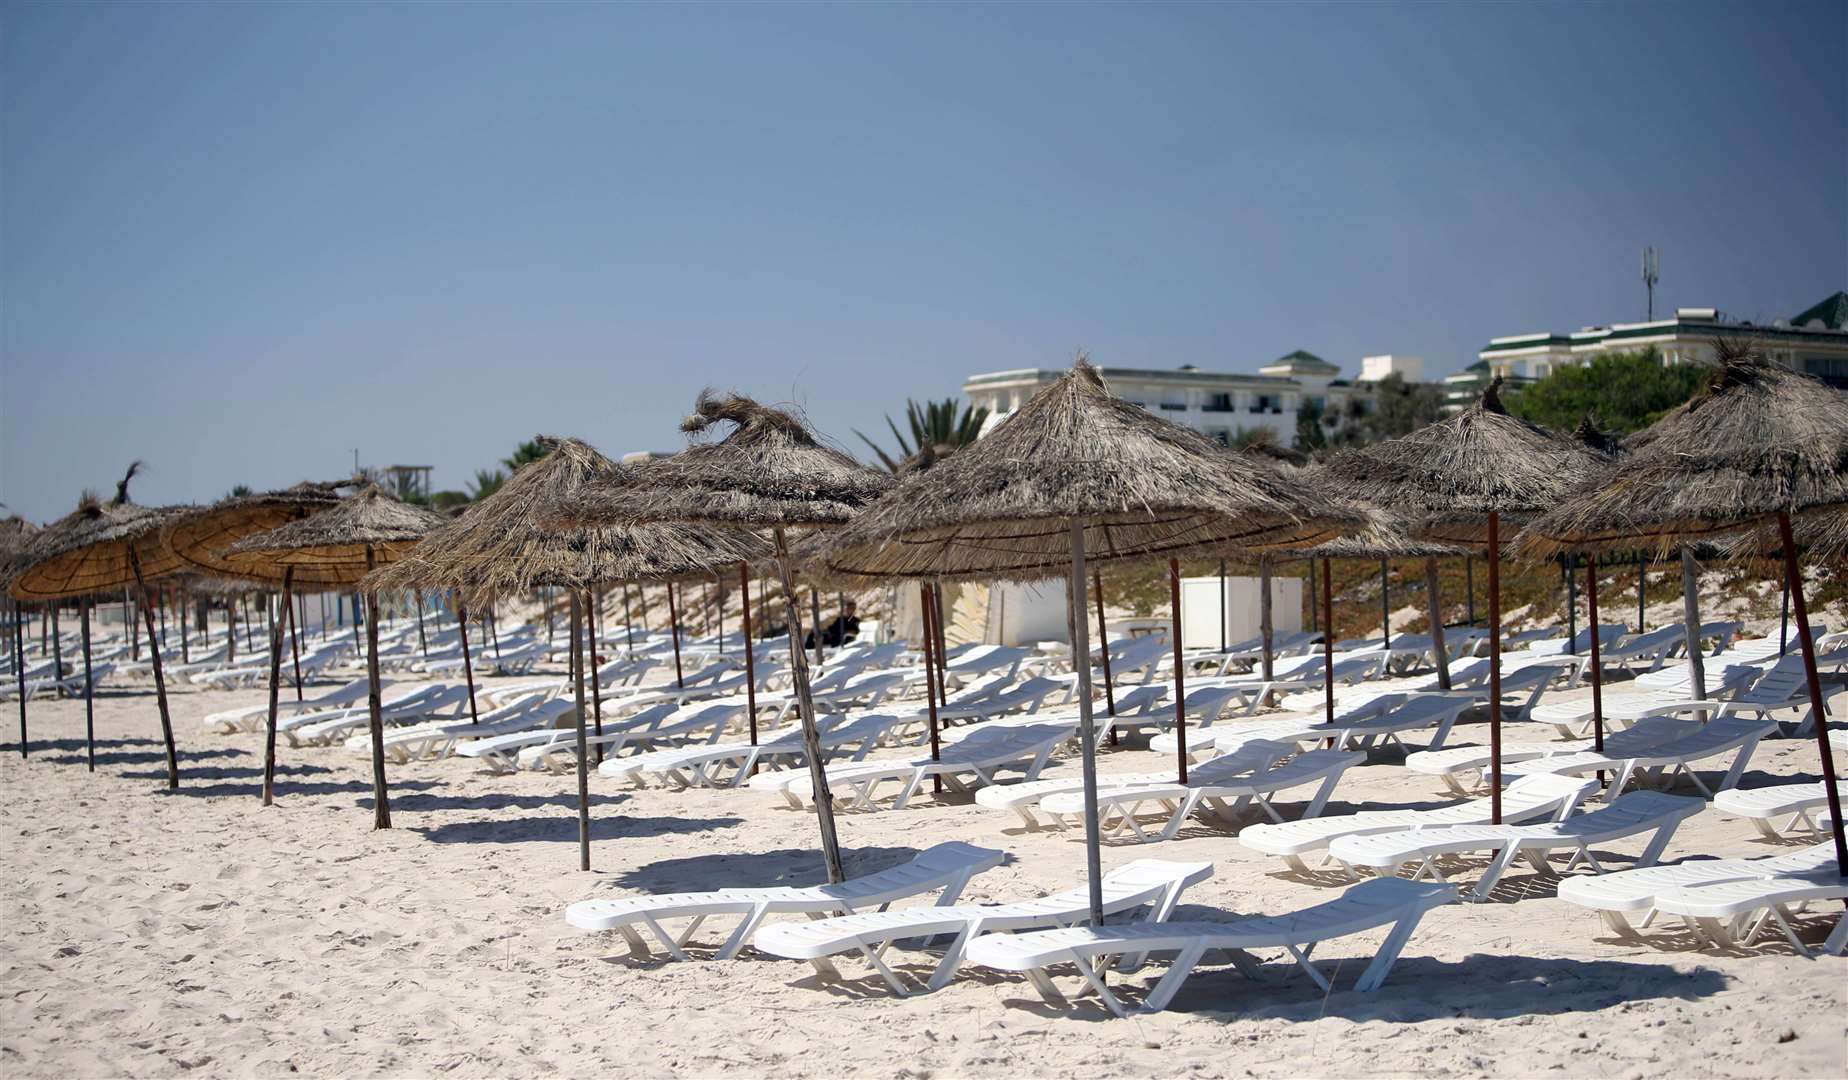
{"x":1081,"y":662}
{"x":1180,"y":690}
{"x":160,"y":677}
{"x":1690,"y":618}
{"x":1103,"y":638}
{"x":1495,"y":712}
{"x":468,"y":665}
{"x":381,"y":815}
{"x":811,"y":738}
{"x":673,"y":618}
{"x":275,"y":684}
{"x":1818,"y":719}
{"x":750,"y":648}
{"x":1328,"y":639}
{"x":1432,"y":599}
{"x":583,"y":751}
{"x":1597,"y":664}
{"x":1385,"y":607}
{"x":89,"y":683}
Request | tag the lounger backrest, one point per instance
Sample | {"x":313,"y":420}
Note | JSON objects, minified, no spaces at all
{"x":1784,"y":680}
{"x":941,"y":864}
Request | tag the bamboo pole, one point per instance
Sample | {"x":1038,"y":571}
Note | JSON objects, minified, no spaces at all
{"x":269,"y":729}
{"x":381,"y":810}
{"x":89,"y":683}
{"x":930,"y":681}
{"x":583,"y":751}
{"x":1180,"y":686}
{"x":1597,"y":660}
{"x":673,"y":618}
{"x":295,"y":644}
{"x":1818,"y":718}
{"x":1081,"y":656}
{"x":1432,"y":598}
{"x":596,"y":665}
{"x":750,"y":648}
{"x":1265,"y":620}
{"x":160,"y":677}
{"x":1690,"y":617}
{"x":811,"y":738}
{"x":468,"y":665}
{"x":1103,"y":638}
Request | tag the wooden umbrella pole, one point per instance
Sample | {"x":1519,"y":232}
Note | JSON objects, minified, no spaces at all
{"x":356,"y":645}
{"x":128,"y":626}
{"x":930,"y":682}
{"x":1597,"y":665}
{"x":159,"y":600}
{"x":1222,"y":606}
{"x":468,"y":666}
{"x":89,"y":683}
{"x":1180,"y":686}
{"x":1266,"y":621}
{"x":1435,"y":603}
{"x":1328,"y":639}
{"x":1642,"y":590}
{"x":1690,"y":618}
{"x":583,"y":751}
{"x":381,"y":804}
{"x":673,"y":618}
{"x":1565,"y":565}
{"x":1385,"y":606}
{"x":295,"y":643}
{"x":1103,"y":638}
{"x":596,"y":665}
{"x":179,"y":596}
{"x":19,"y":672}
{"x":1818,"y":718}
{"x":811,"y":739}
{"x":423,"y":643}
{"x":494,"y":633}
{"x":750,"y":650}
{"x":269,"y":729}
{"x":160,"y":676}
{"x":1087,"y":737}
{"x":57,"y":642}
{"x":1469,"y":586}
{"x":1783,"y":620}
{"x":1495,"y":779}
{"x":231,"y":631}
{"x":1314,"y":618}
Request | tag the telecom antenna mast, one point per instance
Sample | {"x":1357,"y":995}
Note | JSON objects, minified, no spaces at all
{"x":1651,"y":274}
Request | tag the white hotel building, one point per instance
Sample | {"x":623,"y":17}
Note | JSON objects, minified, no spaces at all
{"x":1221,"y":404}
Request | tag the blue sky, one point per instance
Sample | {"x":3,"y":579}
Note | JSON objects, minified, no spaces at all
{"x":240,"y":241}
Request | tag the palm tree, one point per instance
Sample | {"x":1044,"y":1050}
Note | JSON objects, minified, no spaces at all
{"x":526,"y":452}
{"x":487,"y":482}
{"x":935,"y":424}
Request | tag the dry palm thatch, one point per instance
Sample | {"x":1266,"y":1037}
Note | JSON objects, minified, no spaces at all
{"x":1449,"y":476}
{"x":200,"y":535}
{"x":499,"y":545}
{"x":1143,"y":487}
{"x":16,"y":536}
{"x":769,"y":472}
{"x":332,"y":544}
{"x":89,"y":550}
{"x":1759,"y":440}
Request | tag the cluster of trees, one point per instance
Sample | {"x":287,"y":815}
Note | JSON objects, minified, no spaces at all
{"x":1619,"y":392}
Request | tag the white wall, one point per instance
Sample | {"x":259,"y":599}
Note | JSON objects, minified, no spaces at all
{"x":1200,"y":609}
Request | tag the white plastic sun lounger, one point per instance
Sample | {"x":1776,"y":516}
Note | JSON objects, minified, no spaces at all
{"x":254,"y":717}
{"x":1635,"y":814}
{"x":1631,"y":894}
{"x":1367,"y":906}
{"x":1573,"y":719}
{"x":1722,"y":912}
{"x":1778,"y":813}
{"x":704,"y":720}
{"x":946,"y":867}
{"x":1227,"y":791}
{"x":1660,"y":764}
{"x":1531,"y":798}
{"x":727,"y":765}
{"x":1464,"y":768}
{"x":1640,"y":653}
{"x":1151,"y":886}
{"x":439,"y":738}
{"x":414,"y":703}
{"x":1022,"y":798}
{"x":978,"y":755}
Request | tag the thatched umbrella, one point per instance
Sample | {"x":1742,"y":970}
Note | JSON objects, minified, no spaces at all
{"x":770,"y":473}
{"x":1457,"y":481}
{"x":106,"y":545}
{"x":1076,"y":473}
{"x":498,"y":546}
{"x":16,"y":535}
{"x":200,"y":537}
{"x":339,"y":546}
{"x":1758,"y":450}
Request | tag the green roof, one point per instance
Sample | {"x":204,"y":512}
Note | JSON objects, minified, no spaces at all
{"x":1833,"y":312}
{"x":1302,"y":359}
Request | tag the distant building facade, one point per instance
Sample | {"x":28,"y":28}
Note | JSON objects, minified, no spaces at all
{"x":1814,"y":341}
{"x":1220,"y":404}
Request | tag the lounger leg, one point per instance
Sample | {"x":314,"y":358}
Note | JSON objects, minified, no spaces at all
{"x":1497,"y":867}
{"x":1388,"y":955}
{"x":1322,"y":795}
{"x":1047,"y":989}
{"x":952,"y":957}
{"x":666,"y":939}
{"x":1620,"y":926}
{"x":743,"y":934}
{"x":1731,"y":779}
{"x":1837,"y":942}
{"x":1096,"y":983}
{"x":1656,"y":845}
{"x":1302,"y":960}
{"x":1170,"y":983}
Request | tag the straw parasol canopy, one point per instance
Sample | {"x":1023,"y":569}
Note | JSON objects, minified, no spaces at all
{"x":330,"y":547}
{"x":200,"y":535}
{"x":769,"y":472}
{"x":90,"y":549}
{"x":499,"y":545}
{"x":1758,"y":441}
{"x":1447,"y":477}
{"x":1142,"y":486}
{"x":16,"y":536}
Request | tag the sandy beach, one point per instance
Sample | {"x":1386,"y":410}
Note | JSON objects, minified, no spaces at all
{"x":158,"y":933}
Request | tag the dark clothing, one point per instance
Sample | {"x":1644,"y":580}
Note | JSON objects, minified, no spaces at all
{"x":842,"y":629}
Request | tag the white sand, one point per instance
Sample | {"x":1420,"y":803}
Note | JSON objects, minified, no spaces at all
{"x":150,"y":933}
